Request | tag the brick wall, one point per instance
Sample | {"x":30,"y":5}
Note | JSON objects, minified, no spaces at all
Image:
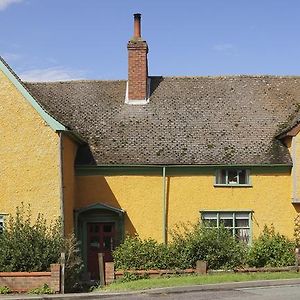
{"x":137,"y":70}
{"x":25,"y":281}
{"x":111,"y":274}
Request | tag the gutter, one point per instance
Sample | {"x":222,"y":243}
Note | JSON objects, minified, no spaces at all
{"x":180,"y":166}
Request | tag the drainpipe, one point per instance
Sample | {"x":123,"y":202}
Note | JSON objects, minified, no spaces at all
{"x":61,"y":171}
{"x":164,"y":197}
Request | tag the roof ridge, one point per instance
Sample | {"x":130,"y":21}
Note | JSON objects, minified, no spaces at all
{"x":229,"y":76}
{"x":75,"y":81}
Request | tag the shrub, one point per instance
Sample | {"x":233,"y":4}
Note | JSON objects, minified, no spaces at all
{"x":271,"y":249}
{"x":137,"y":254}
{"x":193,"y":243}
{"x":45,"y":289}
{"x":4,"y":290}
{"x":73,"y":264}
{"x":27,"y":245}
{"x":217,"y":246}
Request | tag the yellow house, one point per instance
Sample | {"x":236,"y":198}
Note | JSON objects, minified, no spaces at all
{"x":139,"y":156}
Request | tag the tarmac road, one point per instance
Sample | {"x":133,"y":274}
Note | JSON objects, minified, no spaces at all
{"x":286,"y":289}
{"x":261,"y":293}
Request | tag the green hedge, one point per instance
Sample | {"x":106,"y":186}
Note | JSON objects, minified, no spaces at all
{"x":216,"y":246}
{"x":271,"y":249}
{"x":32,"y":245}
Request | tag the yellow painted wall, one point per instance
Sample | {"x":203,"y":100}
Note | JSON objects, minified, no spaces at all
{"x":69,"y":154}
{"x":268,"y":198}
{"x":141,"y":198}
{"x":29,"y":156}
{"x":294,"y":148}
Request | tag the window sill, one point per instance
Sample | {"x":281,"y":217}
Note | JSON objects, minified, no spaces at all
{"x":233,"y":185}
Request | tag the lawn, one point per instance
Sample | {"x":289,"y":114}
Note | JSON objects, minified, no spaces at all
{"x":186,"y":280}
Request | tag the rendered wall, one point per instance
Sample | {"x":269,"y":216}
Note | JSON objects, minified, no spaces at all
{"x":294,"y":147}
{"x":29,"y":155}
{"x":69,"y":154}
{"x":141,"y":198}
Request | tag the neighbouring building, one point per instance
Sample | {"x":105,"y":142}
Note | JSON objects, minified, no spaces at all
{"x":143,"y":154}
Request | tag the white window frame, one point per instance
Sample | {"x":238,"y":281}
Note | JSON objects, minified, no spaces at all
{"x":232,"y":184}
{"x":235,"y":215}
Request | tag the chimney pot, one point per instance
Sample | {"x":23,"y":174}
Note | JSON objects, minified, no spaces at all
{"x":137,"y":26}
{"x":137,"y":88}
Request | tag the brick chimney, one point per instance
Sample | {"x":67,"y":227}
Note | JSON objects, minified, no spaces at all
{"x":137,"y":88}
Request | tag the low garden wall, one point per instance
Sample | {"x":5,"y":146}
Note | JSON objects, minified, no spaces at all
{"x":111,"y":274}
{"x":26,"y":281}
{"x":201,"y":268}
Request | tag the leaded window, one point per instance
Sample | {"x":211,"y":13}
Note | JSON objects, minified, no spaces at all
{"x":237,"y":222}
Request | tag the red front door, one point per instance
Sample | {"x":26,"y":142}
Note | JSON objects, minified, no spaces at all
{"x":100,"y":239}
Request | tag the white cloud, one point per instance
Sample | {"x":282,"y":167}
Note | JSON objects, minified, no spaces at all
{"x":226,"y":47}
{"x":5,"y":3}
{"x":52,"y":74}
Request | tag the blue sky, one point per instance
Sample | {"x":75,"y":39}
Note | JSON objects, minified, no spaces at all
{"x":73,"y":39}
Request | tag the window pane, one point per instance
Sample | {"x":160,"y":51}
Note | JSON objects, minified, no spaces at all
{"x":210,"y":222}
{"x":232,"y":177}
{"x":94,"y":242}
{"x":223,"y":177}
{"x":242,"y":223}
{"x":242,"y":215}
{"x":107,"y":243}
{"x":242,"y":177}
{"x":226,"y":215}
{"x":230,"y":230}
{"x":107,"y":228}
{"x":243,"y":235}
{"x":227,"y":222}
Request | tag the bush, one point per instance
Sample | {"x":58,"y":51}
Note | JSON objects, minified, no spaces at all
{"x":137,"y":254}
{"x":31,"y":246}
{"x":271,"y":249}
{"x":4,"y":290}
{"x":73,"y":264}
{"x":28,"y":246}
{"x":217,"y":246}
{"x":45,"y":289}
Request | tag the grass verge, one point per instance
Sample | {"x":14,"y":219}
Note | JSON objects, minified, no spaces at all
{"x":186,"y":280}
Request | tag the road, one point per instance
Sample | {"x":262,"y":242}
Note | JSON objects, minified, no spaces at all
{"x":291,"y":292}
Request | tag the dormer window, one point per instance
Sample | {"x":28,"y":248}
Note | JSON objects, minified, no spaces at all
{"x":232,"y":177}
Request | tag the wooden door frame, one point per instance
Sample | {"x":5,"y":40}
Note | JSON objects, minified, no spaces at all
{"x":97,"y":213}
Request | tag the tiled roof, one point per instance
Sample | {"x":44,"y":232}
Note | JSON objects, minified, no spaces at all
{"x":189,"y":120}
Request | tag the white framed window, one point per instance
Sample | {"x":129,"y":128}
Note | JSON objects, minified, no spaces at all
{"x":239,"y":223}
{"x":233,"y":177}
